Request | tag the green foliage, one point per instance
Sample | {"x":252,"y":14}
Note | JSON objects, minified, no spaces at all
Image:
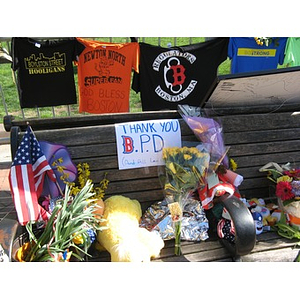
{"x":70,"y":218}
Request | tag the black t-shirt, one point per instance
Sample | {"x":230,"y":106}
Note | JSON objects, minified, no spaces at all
{"x":177,"y":75}
{"x":45,"y":71}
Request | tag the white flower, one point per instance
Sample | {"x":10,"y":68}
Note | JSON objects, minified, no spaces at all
{"x":293,"y":209}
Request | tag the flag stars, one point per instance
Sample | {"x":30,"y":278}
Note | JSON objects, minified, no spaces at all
{"x":28,"y":170}
{"x":29,"y":150}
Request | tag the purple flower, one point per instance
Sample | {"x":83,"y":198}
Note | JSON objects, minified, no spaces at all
{"x":91,"y":234}
{"x":296,"y":187}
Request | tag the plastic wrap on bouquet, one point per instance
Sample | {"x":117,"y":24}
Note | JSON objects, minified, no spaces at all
{"x":206,"y":130}
{"x":194,"y":224}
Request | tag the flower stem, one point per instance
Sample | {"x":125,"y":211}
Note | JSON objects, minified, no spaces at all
{"x":177,"y":238}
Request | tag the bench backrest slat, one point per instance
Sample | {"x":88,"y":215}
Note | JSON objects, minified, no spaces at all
{"x":254,"y":139}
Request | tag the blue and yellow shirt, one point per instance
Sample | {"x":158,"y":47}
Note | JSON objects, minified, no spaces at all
{"x":247,"y":56}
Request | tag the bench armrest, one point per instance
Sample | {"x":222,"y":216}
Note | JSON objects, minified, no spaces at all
{"x":8,"y":231}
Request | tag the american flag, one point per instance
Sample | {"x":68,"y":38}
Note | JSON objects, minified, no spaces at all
{"x":26,"y":179}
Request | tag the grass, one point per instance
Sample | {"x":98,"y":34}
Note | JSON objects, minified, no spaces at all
{"x":10,"y":92}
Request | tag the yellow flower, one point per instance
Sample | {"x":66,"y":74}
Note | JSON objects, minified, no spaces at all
{"x":187,"y":156}
{"x":81,"y":181}
{"x":104,"y":183}
{"x":284,"y":178}
{"x":233,"y":164}
{"x":78,"y":239}
{"x":75,"y":190}
{"x":60,"y":160}
{"x":61,"y":169}
{"x":196,"y":152}
{"x":172,"y":168}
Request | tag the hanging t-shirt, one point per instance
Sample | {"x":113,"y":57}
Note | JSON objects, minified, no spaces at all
{"x":104,"y":75}
{"x":292,"y":52}
{"x":178,"y":75}
{"x":247,"y":56}
{"x":45,"y":71}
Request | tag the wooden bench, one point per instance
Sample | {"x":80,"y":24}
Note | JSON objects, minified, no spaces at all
{"x":254,"y":139}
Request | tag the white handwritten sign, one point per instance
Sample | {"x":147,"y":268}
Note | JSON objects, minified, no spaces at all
{"x":140,"y":144}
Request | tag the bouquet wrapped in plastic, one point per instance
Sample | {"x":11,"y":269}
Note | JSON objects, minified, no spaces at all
{"x":185,"y":170}
{"x":220,"y":179}
{"x":194,"y":224}
{"x":287,"y":188}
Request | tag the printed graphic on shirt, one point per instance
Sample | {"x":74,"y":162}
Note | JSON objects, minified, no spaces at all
{"x":45,"y":73}
{"x":105,"y":64}
{"x":102,"y":67}
{"x":172,"y":67}
{"x":178,"y":75}
{"x":256,"y":52}
{"x":45,"y":65}
{"x":104,"y":74}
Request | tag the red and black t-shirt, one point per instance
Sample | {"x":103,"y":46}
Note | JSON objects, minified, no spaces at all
{"x":45,"y":71}
{"x":177,"y":75}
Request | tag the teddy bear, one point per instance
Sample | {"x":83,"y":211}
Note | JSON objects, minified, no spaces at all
{"x":122,"y":237}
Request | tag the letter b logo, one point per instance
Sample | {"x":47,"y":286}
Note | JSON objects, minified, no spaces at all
{"x":127,"y":144}
{"x":178,"y":75}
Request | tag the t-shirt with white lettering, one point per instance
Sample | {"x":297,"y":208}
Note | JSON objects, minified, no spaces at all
{"x":178,"y":75}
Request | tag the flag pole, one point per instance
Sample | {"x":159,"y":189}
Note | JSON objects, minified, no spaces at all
{"x":58,"y":186}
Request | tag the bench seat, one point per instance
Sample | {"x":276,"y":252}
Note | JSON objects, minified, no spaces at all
{"x":254,"y":140}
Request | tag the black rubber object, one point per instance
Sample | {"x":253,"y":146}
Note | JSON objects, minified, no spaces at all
{"x":245,"y":233}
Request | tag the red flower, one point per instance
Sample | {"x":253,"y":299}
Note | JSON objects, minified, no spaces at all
{"x":295,"y":173}
{"x":284,"y":190}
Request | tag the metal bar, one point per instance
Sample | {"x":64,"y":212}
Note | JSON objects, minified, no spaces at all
{"x":160,"y":41}
{"x":3,"y":100}
{"x":38,"y":113}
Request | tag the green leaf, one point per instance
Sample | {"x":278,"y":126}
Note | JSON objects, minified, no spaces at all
{"x":66,"y":220}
